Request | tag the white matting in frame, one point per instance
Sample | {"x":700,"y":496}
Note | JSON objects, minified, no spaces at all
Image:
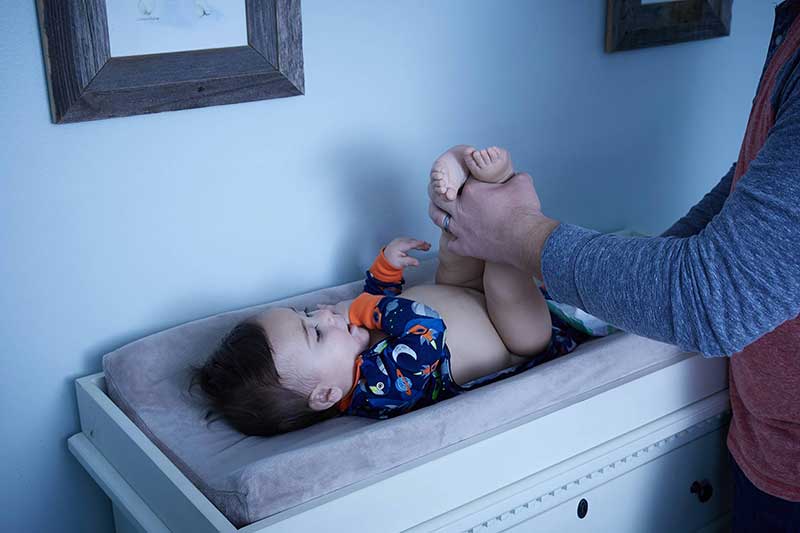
{"x":139,"y":27}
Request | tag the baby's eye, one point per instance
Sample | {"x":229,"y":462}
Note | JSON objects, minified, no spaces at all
{"x":316,"y":328}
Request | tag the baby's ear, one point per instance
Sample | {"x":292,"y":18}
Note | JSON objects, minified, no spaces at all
{"x":323,"y":397}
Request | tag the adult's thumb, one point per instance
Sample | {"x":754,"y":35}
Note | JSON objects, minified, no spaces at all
{"x":525,"y":186}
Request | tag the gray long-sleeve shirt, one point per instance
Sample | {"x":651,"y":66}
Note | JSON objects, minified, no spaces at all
{"x":722,"y":276}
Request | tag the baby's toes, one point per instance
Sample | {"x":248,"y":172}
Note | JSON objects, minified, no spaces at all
{"x":503,"y":157}
{"x":477,"y":159}
{"x":439,"y":183}
{"x":471,"y":161}
{"x":481,"y":158}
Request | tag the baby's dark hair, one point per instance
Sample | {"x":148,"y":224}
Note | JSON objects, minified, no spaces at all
{"x":244,"y":387}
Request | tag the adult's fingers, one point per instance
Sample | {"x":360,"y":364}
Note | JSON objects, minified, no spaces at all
{"x":522,"y":176}
{"x":438,"y":217}
{"x":525,"y":186}
{"x":522,"y":179}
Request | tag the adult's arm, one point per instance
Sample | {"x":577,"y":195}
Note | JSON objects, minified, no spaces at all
{"x":713,"y":292}
{"x":701,"y":214}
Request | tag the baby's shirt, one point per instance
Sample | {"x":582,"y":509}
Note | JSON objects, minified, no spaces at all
{"x":408,"y":369}
{"x":411,"y":367}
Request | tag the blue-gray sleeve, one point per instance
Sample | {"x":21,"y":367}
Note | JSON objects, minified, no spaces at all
{"x":714,"y":292}
{"x":701,"y":214}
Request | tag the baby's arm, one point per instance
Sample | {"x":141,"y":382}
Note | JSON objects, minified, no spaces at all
{"x":385,"y":276}
{"x":379,"y":308}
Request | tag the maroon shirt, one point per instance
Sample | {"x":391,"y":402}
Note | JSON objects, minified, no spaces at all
{"x":764,"y":436}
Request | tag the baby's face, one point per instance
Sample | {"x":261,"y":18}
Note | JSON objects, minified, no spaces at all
{"x":313,"y":348}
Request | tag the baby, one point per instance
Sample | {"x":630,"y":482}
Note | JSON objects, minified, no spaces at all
{"x":387,"y":351}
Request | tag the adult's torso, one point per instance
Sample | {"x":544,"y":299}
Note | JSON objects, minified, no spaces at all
{"x":765,"y":376}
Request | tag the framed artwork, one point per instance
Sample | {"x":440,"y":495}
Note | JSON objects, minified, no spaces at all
{"x":114,"y":58}
{"x":634,"y":24}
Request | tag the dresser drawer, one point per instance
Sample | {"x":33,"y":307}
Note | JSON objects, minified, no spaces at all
{"x":655,"y":497}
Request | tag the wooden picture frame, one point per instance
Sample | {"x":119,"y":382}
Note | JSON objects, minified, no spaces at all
{"x":86,"y":83}
{"x":631,"y":24}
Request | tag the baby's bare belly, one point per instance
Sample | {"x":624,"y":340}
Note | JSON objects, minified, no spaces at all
{"x":476,"y":349}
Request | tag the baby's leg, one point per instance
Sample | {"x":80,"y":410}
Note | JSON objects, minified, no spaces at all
{"x":517,"y":309}
{"x":447,"y":175}
{"x":456,"y":269}
{"x":515,"y":304}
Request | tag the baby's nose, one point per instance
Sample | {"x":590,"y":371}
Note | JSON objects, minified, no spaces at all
{"x":326,"y":315}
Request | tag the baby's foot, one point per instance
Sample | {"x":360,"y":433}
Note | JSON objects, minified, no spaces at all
{"x":492,"y":165}
{"x":448,"y":174}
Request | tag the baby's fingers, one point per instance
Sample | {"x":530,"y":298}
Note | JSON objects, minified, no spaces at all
{"x":416,"y":244}
{"x":409,"y":261}
{"x":404,"y":244}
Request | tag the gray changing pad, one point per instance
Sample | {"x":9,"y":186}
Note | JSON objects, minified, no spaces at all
{"x":250,"y":478}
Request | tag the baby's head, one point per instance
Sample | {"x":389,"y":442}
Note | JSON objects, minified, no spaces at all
{"x":283,"y":369}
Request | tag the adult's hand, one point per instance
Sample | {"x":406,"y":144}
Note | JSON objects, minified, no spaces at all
{"x":502,"y":223}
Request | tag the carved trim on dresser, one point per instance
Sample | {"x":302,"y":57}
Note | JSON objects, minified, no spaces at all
{"x":564,"y":491}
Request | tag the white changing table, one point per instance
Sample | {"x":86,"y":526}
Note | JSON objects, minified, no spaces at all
{"x":623,"y":457}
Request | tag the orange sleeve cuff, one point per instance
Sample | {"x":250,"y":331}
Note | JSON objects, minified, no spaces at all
{"x":364,"y":311}
{"x":383,"y":270}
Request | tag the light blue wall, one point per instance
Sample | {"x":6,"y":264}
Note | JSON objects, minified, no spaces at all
{"x":115,"y":229}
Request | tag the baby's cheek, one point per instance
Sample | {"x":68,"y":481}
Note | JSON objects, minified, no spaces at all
{"x":362,"y":339}
{"x":296,"y":380}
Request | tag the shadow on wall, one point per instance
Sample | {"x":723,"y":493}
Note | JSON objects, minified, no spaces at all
{"x":378,"y":196}
{"x":374,"y":199}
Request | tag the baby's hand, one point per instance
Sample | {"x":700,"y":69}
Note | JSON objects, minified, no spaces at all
{"x":396,"y":252}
